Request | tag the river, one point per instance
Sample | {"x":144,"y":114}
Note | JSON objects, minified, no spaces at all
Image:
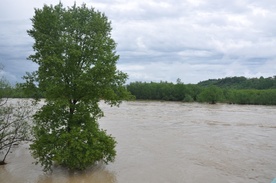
{"x":171,"y":142}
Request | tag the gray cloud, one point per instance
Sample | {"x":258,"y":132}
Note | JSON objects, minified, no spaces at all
{"x":15,"y":46}
{"x":164,"y":40}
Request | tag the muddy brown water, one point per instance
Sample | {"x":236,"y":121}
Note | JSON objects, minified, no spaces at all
{"x":171,"y":142}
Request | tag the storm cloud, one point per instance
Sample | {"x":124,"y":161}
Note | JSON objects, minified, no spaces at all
{"x":193,"y":40}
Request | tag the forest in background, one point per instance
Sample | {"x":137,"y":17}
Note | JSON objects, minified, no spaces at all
{"x":232,"y":90}
{"x":242,"y":83}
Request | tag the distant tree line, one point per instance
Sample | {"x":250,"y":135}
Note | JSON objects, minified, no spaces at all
{"x":18,"y":92}
{"x":234,"y":90}
{"x":242,"y":83}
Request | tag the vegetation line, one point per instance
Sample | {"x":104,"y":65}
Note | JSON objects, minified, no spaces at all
{"x":235,"y":90}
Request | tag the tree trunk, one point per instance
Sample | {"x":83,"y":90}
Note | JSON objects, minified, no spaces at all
{"x":72,"y":107}
{"x":9,"y":148}
{"x":2,"y":163}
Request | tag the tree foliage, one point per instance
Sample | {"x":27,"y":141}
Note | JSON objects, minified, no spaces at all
{"x":242,"y":83}
{"x":197,"y":93}
{"x":157,"y":91}
{"x":212,"y":95}
{"x":18,"y":91}
{"x":77,"y":68}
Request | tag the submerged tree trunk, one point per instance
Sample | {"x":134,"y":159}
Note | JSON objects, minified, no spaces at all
{"x":2,"y":163}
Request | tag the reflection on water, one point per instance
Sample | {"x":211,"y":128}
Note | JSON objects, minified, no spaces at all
{"x":97,"y":174}
{"x":172,"y":142}
{"x":21,"y":169}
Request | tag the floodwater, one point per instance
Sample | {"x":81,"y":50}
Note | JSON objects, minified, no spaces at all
{"x":172,"y":142}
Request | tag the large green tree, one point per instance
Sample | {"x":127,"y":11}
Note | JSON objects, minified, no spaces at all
{"x":77,"y":68}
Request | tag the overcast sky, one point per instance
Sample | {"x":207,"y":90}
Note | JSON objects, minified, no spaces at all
{"x":193,"y":40}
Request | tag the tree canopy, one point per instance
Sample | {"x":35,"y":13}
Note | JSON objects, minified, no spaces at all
{"x":242,"y":83}
{"x":210,"y":93}
{"x":77,"y":68}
